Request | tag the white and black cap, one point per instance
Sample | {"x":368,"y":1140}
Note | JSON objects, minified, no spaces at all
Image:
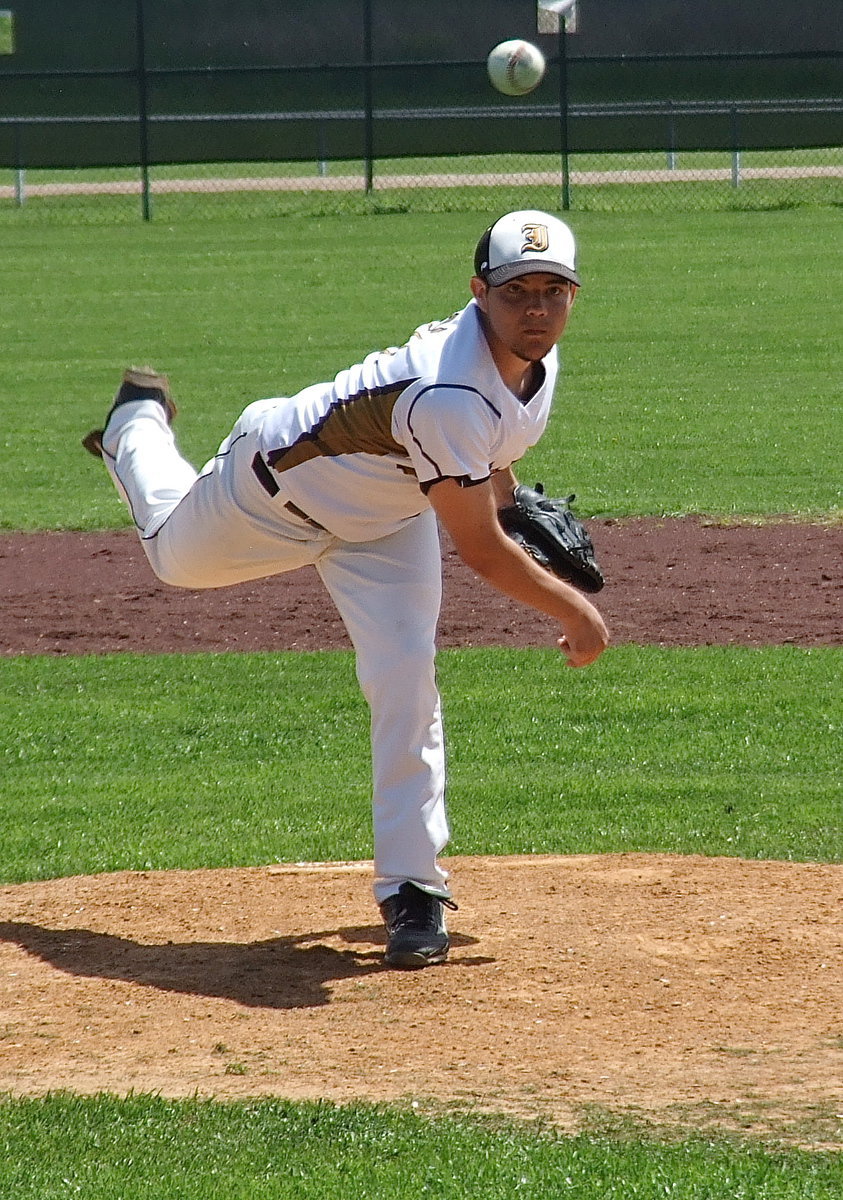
{"x":524,"y":243}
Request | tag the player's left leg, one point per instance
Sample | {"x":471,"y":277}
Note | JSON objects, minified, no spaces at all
{"x":388,"y":593}
{"x":200,"y":529}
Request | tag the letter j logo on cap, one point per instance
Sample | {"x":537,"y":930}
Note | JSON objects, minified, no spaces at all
{"x":535,"y":238}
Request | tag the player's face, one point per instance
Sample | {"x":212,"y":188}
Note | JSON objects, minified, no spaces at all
{"x":526,"y":317}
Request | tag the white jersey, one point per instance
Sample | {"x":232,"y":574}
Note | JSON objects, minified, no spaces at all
{"x":358,"y":455}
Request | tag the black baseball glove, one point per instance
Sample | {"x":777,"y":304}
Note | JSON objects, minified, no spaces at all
{"x":549,"y":531}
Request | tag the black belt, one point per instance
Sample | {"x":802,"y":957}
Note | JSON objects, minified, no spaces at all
{"x":267,"y":481}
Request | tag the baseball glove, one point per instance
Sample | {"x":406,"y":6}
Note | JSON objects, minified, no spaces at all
{"x":549,"y":531}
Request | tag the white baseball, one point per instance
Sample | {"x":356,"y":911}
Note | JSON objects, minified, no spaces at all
{"x":516,"y":67}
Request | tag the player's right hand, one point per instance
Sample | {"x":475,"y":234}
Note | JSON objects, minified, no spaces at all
{"x":585,"y":638}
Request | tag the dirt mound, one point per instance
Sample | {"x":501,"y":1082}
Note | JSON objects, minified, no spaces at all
{"x":637,"y":982}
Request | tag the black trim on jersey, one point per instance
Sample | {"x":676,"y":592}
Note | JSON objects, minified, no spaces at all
{"x":454,"y":387}
{"x":273,"y":457}
{"x":463,"y":481}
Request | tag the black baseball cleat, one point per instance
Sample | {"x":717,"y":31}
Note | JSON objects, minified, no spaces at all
{"x":138,"y":383}
{"x":415,"y":928}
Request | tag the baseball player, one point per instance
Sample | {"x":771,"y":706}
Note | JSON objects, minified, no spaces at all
{"x":351,"y":476}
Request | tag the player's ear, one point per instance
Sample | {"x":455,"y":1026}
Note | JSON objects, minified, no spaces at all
{"x":480,"y":291}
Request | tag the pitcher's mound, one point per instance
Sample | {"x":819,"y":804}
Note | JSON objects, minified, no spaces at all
{"x":670,"y":987}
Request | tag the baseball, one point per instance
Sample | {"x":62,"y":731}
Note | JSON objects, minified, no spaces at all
{"x":516,"y":67}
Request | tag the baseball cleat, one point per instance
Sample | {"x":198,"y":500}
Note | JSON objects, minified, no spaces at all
{"x":415,"y":928}
{"x":138,"y":383}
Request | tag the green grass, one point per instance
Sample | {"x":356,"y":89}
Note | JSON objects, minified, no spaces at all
{"x":711,"y":750}
{"x":702,"y":370}
{"x":147,"y":1147}
{"x":137,"y":762}
{"x":182,"y":760}
{"x":7,"y":32}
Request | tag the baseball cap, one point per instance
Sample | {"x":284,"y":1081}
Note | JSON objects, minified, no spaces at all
{"x":523,"y":243}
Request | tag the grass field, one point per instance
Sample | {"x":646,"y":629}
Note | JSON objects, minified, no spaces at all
{"x":127,"y":762}
{"x":702,"y":375}
{"x":145,"y":1147}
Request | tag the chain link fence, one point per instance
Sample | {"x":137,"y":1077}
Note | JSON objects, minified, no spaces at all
{"x":221,"y":120}
{"x":654,"y":181}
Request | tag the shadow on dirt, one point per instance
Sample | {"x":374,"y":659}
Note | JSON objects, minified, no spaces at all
{"x":282,"y":972}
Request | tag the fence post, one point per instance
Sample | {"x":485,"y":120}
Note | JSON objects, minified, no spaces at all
{"x":736,"y":154}
{"x":143,"y":111}
{"x":20,"y":173}
{"x":368,"y":97}
{"x":671,"y":137}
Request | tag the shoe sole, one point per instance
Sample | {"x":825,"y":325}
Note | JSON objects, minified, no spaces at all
{"x":140,"y":377}
{"x":146,"y":377}
{"x":413,"y":960}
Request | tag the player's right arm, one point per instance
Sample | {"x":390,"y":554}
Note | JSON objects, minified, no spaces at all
{"x":469,"y":514}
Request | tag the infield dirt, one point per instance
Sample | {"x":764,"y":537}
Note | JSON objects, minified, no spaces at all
{"x":683,"y":990}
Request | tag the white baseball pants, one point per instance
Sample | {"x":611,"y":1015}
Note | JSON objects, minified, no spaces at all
{"x":222,"y":527}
